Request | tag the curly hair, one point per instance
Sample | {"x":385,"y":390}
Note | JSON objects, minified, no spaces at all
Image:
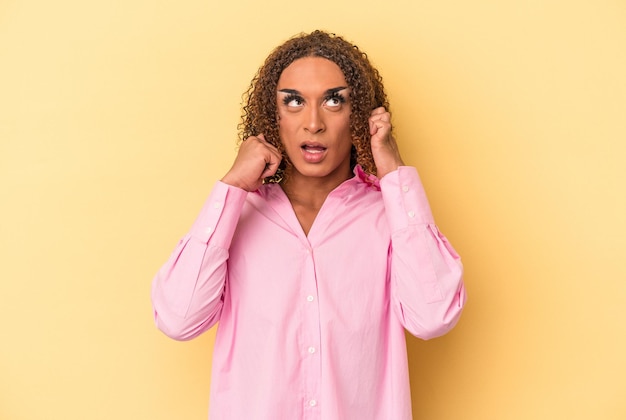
{"x":367,"y":92}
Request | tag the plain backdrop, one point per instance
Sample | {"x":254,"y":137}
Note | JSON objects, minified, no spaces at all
{"x":116,"y":118}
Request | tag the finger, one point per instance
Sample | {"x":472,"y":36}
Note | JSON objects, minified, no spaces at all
{"x":377,"y":125}
{"x":269,"y":145}
{"x":381,"y":116}
{"x":379,"y":110}
{"x":273,"y":157}
{"x":378,"y":116}
{"x":271,"y":166}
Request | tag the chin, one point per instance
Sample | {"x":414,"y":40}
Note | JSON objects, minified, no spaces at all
{"x":320,"y":170}
{"x":313,"y":172}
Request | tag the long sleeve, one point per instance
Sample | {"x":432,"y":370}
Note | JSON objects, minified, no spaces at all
{"x":427,"y":288}
{"x":187,"y":291}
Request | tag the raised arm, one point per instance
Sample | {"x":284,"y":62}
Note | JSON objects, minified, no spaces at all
{"x":187,"y":292}
{"x":427,"y":288}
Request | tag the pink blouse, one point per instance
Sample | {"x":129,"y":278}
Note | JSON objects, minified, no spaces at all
{"x":312,"y":327}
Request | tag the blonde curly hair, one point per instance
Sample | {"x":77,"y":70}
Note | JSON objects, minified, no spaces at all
{"x":259,"y":114}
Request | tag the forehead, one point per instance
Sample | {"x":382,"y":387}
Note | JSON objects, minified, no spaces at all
{"x":311,"y":73}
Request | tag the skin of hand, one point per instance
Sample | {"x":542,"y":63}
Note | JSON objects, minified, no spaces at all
{"x":256,"y":159}
{"x":384,"y":148}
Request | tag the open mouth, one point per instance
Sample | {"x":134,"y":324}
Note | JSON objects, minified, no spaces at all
{"x":313,"y":152}
{"x":313,"y":148}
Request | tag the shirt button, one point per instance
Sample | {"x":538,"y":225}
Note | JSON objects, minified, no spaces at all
{"x":310,"y":298}
{"x":209,"y":229}
{"x":311,"y":349}
{"x":312,"y":403}
{"x":405,"y":188}
{"x":411,"y":214}
{"x":216,"y":205}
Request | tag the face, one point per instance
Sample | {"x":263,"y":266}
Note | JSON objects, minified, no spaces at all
{"x":313,"y":103}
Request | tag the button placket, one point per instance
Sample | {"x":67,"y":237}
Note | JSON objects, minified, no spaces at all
{"x":311,"y":332}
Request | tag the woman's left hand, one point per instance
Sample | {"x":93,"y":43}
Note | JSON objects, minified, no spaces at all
{"x":384,"y":148}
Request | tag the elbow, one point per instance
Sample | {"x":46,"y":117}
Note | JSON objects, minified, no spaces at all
{"x":434,"y":328}
{"x":181,"y":328}
{"x":174,"y":330}
{"x":439,"y":317}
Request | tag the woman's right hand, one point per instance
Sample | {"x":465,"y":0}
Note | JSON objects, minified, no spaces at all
{"x":256,"y":159}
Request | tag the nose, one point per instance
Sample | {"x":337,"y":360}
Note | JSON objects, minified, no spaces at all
{"x":314,"y":121}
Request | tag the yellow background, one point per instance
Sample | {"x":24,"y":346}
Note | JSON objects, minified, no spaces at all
{"x":117,"y":116}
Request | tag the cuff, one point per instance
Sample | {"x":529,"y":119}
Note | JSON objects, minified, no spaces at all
{"x":218,"y":218}
{"x":405,"y":199}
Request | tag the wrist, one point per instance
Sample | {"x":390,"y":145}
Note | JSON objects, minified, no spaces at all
{"x":388,"y":167}
{"x":234,"y":181}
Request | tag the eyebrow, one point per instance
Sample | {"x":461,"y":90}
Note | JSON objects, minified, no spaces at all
{"x":329,"y":92}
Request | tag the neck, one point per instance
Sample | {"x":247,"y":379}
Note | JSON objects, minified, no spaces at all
{"x":310,"y":191}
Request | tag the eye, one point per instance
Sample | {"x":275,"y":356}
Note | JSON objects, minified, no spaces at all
{"x":335,"y":100}
{"x":293,"y":101}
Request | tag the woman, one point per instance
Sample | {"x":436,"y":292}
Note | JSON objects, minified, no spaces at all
{"x":314,"y":252}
